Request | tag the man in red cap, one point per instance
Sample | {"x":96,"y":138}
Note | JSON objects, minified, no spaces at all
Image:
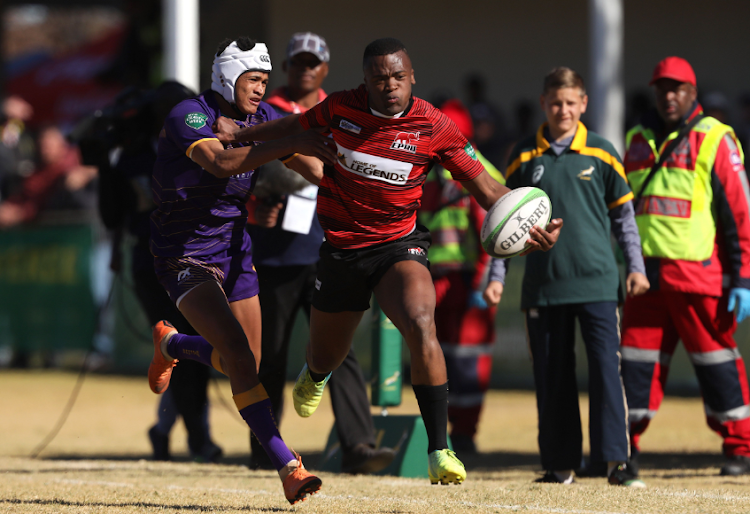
{"x":691,"y":196}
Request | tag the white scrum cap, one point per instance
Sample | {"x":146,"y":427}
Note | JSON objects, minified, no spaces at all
{"x":232,"y":63}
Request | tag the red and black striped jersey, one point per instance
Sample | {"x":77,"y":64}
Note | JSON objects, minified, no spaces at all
{"x":373,"y":192}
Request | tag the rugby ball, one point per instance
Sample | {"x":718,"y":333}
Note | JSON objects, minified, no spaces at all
{"x":506,"y":226}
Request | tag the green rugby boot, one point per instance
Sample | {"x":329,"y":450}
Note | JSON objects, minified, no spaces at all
{"x":446,"y":468}
{"x":307,"y":393}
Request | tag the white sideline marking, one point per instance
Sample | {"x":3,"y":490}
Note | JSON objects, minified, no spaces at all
{"x":263,"y":492}
{"x":556,"y":510}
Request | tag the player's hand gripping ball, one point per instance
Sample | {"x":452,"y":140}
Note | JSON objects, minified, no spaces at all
{"x":506,"y":226}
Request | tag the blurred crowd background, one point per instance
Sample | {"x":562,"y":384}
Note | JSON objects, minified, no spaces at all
{"x":65,"y":66}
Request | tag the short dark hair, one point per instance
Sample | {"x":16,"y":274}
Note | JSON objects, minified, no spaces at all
{"x":244,"y":43}
{"x":382,"y":46}
{"x":562,"y":77}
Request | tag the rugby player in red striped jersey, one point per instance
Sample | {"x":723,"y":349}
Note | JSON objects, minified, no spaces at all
{"x":386,"y":142}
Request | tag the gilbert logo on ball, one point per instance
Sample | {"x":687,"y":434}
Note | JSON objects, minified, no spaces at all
{"x":506,"y":227}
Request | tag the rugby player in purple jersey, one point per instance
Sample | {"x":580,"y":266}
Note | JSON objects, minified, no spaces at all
{"x":202,"y":253}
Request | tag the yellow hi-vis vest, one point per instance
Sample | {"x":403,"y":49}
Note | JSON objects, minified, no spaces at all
{"x":674,"y":217}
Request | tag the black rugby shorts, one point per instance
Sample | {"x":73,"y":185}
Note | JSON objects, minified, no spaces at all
{"x":346,"y":278}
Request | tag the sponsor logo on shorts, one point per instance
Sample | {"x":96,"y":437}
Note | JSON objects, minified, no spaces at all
{"x":351,"y":127}
{"x":534,"y":313}
{"x":537,"y":175}
{"x":525,"y":226}
{"x":182,"y":275}
{"x":586,"y":174}
{"x":195,"y":120}
{"x":406,"y":141}
{"x":373,"y":167}
{"x":317,"y":284}
{"x":470,"y":151}
{"x":417,"y":251}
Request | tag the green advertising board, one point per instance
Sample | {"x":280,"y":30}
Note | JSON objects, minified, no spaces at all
{"x":46,"y":301}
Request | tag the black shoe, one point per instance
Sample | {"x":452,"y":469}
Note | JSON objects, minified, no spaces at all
{"x":624,"y":476}
{"x":736,"y":465}
{"x":159,"y":444}
{"x":463,"y":444}
{"x":364,"y":459}
{"x":592,"y":470}
{"x":549,"y":477}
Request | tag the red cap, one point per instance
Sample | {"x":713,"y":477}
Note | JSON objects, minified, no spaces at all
{"x":675,"y":68}
{"x":459,"y":115}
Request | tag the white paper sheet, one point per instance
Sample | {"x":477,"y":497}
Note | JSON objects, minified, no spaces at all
{"x":300,"y":210}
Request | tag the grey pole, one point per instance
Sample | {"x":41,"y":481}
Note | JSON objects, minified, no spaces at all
{"x":606,"y":88}
{"x":181,"y":42}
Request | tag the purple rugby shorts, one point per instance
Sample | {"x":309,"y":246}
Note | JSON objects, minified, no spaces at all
{"x":233,"y":269}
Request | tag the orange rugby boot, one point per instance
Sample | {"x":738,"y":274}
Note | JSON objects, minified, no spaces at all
{"x":300,"y":483}
{"x":160,"y":370}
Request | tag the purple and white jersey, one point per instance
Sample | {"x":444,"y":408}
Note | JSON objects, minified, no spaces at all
{"x":197,"y":214}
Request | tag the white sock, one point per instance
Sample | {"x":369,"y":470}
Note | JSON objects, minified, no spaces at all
{"x":290,"y":466}
{"x":565,"y":476}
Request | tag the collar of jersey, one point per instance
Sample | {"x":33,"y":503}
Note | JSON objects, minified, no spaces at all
{"x":578,"y":143}
{"x":381,"y":115}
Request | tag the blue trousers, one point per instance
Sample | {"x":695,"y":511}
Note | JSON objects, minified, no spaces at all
{"x":551,"y":333}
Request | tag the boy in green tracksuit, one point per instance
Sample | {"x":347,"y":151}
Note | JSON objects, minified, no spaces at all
{"x":584,"y":178}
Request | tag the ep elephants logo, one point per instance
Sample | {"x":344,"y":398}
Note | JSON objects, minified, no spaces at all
{"x":406,"y":141}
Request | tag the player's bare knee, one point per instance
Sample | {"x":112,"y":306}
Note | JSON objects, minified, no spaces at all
{"x":421,"y":324}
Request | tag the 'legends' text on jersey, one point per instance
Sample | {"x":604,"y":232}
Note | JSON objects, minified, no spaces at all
{"x":372,"y":193}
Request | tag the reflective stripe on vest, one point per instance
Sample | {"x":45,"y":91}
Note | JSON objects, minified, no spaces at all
{"x":674,"y":216}
{"x":449,"y":228}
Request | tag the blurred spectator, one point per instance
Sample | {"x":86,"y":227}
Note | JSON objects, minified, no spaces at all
{"x":16,"y":146}
{"x":716,"y":105}
{"x":524,"y":117}
{"x":743,"y":125}
{"x":524,"y":114}
{"x":489,"y":124}
{"x":59,"y":182}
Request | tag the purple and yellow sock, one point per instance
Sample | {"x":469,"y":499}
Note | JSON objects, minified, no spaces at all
{"x":195,"y":348}
{"x":255,"y":408}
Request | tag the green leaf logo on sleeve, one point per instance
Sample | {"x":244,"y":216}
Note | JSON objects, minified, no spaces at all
{"x":195,"y":120}
{"x":470,"y":151}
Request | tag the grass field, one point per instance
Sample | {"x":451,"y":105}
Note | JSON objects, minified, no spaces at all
{"x":99,"y":462}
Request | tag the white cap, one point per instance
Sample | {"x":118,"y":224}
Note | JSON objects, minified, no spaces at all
{"x":233,"y":62}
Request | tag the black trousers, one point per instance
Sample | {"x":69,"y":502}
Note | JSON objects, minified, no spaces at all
{"x":551,"y":332}
{"x":283,"y":291}
{"x":189,"y":380}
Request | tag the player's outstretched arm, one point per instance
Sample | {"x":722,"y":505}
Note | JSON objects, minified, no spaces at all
{"x":485,"y":189}
{"x":228,"y":132}
{"x":220,"y":162}
{"x":309,"y":167}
